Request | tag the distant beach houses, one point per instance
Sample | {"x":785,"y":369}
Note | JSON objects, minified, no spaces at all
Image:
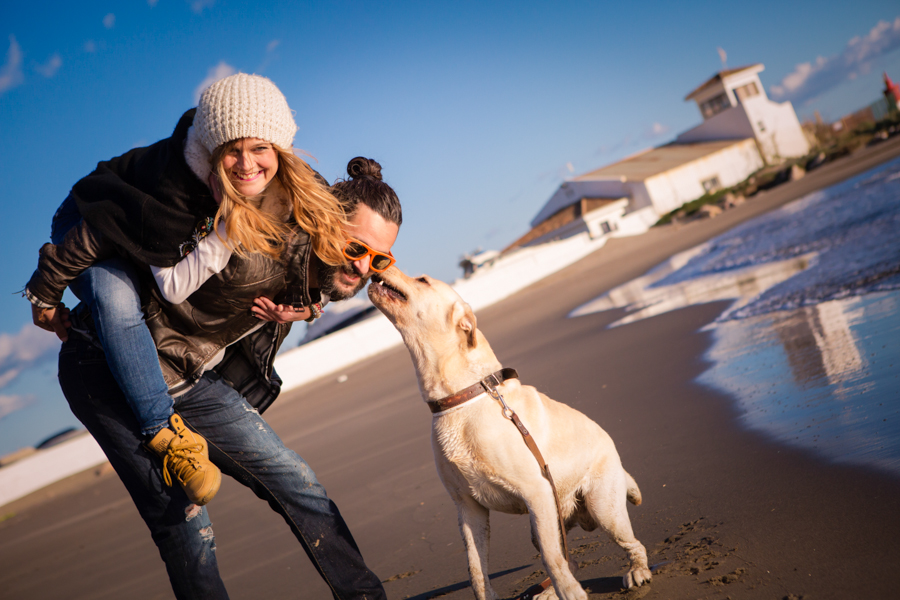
{"x":742,"y":131}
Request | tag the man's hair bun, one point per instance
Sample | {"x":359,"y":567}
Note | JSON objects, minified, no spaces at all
{"x":361,"y":167}
{"x":365,"y":186}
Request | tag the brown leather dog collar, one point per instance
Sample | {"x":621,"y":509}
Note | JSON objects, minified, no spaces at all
{"x":476,"y":389}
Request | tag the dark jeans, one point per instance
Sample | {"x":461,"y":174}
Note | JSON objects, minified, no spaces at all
{"x":243,"y":445}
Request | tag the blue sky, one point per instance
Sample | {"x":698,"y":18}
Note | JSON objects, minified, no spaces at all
{"x":476,"y":110}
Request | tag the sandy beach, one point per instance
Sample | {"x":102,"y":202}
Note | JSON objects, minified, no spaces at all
{"x":727,"y":513}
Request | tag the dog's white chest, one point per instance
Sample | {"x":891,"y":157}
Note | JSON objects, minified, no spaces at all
{"x":465,"y":469}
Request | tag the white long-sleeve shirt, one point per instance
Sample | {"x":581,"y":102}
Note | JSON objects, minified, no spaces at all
{"x":184,"y":278}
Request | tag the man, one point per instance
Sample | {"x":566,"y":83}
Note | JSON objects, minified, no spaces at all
{"x":240,"y":441}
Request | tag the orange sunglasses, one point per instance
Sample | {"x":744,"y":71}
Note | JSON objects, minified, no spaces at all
{"x":356,"y":250}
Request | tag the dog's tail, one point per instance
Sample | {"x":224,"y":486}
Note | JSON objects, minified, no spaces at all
{"x":633,"y":494}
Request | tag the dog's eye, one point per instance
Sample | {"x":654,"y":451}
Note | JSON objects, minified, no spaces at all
{"x":423,"y":280}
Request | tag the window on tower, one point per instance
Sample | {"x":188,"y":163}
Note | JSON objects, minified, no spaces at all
{"x":746,"y":91}
{"x":715,"y":105}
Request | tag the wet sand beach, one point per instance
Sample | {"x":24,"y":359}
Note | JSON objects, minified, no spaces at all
{"x":727,"y":513}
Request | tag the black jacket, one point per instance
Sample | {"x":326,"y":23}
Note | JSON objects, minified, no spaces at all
{"x":147,"y":201}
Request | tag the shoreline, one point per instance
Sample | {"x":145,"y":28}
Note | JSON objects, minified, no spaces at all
{"x":774,"y":520}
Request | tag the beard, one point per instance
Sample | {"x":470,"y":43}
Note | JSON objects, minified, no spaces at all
{"x":329,"y":284}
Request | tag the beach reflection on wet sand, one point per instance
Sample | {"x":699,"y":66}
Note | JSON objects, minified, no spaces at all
{"x":822,"y":377}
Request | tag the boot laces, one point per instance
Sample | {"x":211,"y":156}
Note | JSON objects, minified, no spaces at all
{"x":184,"y":450}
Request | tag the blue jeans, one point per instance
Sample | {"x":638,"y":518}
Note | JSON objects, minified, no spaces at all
{"x":111,"y":290}
{"x":243,"y":446}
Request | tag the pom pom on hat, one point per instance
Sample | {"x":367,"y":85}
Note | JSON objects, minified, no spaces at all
{"x":244,"y":106}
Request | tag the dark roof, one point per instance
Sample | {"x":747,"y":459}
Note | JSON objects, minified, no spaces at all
{"x":718,"y":77}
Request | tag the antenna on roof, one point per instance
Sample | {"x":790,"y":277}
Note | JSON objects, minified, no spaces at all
{"x":723,"y":57}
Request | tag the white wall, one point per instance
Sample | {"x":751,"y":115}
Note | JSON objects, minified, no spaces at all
{"x":611,"y":214}
{"x":783,"y":137}
{"x":640,"y":199}
{"x":731,"y":165}
{"x":47,"y":466}
{"x":637,"y":222}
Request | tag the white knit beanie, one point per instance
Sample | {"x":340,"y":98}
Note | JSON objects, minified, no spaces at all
{"x":244,"y":106}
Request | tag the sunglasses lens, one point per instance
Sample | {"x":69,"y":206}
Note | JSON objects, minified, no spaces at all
{"x":380,"y":262}
{"x":355,"y":250}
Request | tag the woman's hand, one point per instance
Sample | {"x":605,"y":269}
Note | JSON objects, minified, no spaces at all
{"x":267,"y":310}
{"x":54,"y":319}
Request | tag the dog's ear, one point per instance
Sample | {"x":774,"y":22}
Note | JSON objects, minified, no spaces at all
{"x":468,"y":324}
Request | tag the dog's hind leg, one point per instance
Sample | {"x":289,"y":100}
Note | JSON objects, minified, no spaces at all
{"x":606,"y":500}
{"x":545,"y":527}
{"x":474,"y":525}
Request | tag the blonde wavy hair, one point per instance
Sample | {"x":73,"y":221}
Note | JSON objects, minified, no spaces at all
{"x":316,"y":211}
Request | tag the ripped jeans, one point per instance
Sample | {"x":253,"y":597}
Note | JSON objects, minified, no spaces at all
{"x":243,"y":446}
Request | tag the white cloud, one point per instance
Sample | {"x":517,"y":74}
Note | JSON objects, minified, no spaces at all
{"x":811,"y":79}
{"x":109,"y":21}
{"x":220,"y":71}
{"x":152,"y":3}
{"x":20,"y":351}
{"x":269,"y":57}
{"x":10,"y":404}
{"x":51,"y":67}
{"x":656,"y":130}
{"x":198,"y":5}
{"x":90,"y":47}
{"x":11,"y":71}
{"x":8,"y":375}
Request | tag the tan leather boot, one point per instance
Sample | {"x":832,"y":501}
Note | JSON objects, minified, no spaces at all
{"x":186,"y":456}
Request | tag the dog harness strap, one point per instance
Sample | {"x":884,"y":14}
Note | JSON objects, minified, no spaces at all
{"x":476,"y":389}
{"x":545,"y":469}
{"x":490,"y":384}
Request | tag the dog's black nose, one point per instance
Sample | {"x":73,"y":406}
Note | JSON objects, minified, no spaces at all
{"x":376,"y":278}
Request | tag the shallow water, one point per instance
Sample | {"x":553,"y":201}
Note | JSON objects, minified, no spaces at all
{"x":809,"y":347}
{"x":823,"y":377}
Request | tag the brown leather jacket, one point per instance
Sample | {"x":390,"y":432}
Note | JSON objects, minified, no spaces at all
{"x":190,"y":334}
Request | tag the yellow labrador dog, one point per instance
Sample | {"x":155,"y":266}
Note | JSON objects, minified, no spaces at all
{"x":481,"y":457}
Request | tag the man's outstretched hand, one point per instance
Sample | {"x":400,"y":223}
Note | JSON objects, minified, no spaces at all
{"x":54,"y":319}
{"x":267,"y":310}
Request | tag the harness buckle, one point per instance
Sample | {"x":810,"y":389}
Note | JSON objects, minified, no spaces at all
{"x":493,"y":392}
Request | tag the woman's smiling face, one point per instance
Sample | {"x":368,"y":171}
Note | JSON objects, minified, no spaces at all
{"x":251,"y":165}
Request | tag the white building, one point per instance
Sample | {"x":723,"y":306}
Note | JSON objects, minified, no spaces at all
{"x":742,"y":131}
{"x":734,"y":105}
{"x":648,"y":185}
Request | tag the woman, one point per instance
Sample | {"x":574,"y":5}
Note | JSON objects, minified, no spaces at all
{"x":239,"y":144}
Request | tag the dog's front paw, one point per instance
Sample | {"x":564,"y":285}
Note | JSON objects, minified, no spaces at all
{"x":575,"y":592}
{"x":550,"y":594}
{"x":636,"y":577}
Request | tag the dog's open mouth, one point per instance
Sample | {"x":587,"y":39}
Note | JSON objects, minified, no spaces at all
{"x":382,"y":288}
